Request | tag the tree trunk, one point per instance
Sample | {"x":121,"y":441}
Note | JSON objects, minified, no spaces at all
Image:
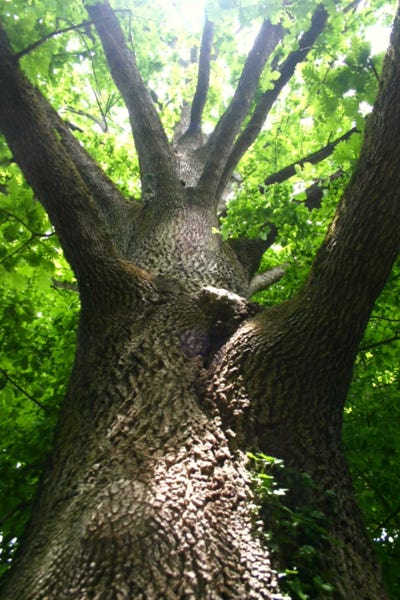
{"x":177,"y":375}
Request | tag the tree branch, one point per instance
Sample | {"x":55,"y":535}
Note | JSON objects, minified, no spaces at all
{"x":395,"y":338}
{"x":313,"y":158}
{"x":156,"y":158}
{"x":203,"y":78}
{"x":363,"y":241}
{"x":119,"y":214}
{"x":84,"y":25}
{"x":21,"y":389}
{"x":40,"y":154}
{"x":268,"y":98}
{"x":261,"y":281}
{"x":34,"y":233}
{"x":221,"y":140}
{"x":250,"y":252}
{"x":102,"y":123}
{"x":64,"y":285}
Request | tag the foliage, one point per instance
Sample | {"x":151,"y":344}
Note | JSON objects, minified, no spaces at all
{"x":295,"y":531}
{"x":329,"y":94}
{"x":371,"y":429}
{"x":37,"y":343}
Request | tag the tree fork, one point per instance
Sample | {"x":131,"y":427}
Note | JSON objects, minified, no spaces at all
{"x":146,"y":494}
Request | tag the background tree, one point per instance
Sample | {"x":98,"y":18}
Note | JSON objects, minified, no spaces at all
{"x":174,"y":381}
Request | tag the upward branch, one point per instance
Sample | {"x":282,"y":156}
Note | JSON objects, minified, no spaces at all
{"x":267,"y":100}
{"x":55,"y":179}
{"x":203,"y":79}
{"x":109,"y":200}
{"x":221,"y":140}
{"x":156,"y":157}
{"x":363,"y":241}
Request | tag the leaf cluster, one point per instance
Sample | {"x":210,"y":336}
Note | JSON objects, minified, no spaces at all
{"x":37,"y":343}
{"x":294,"y":530}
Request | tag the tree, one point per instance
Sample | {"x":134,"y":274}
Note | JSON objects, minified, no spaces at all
{"x":177,"y":374}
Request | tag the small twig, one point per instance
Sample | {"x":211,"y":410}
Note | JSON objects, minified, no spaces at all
{"x":374,"y":69}
{"x":104,"y":126}
{"x":395,"y":338}
{"x":6,"y":258}
{"x":21,"y":389}
{"x":379,"y":318}
{"x":82,"y":113}
{"x":34,"y":233}
{"x":50,"y":35}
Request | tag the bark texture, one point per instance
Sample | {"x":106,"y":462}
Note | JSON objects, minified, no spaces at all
{"x":177,"y":374}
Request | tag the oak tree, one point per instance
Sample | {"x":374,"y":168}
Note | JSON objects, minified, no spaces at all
{"x":179,"y":373}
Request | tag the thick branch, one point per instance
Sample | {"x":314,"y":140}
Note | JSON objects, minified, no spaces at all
{"x":313,"y":158}
{"x":267,"y":100}
{"x":363,"y":241}
{"x":203,"y":78}
{"x":250,"y":252}
{"x":118,"y":214}
{"x":156,"y":157}
{"x":52,"y":175}
{"x":261,"y":281}
{"x":222,"y":138}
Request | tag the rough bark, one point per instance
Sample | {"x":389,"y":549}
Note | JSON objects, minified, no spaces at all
{"x":177,"y":375}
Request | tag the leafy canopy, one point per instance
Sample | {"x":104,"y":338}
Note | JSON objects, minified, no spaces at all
{"x":330,"y":94}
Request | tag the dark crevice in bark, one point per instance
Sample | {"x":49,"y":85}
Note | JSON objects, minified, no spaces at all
{"x":225,"y":311}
